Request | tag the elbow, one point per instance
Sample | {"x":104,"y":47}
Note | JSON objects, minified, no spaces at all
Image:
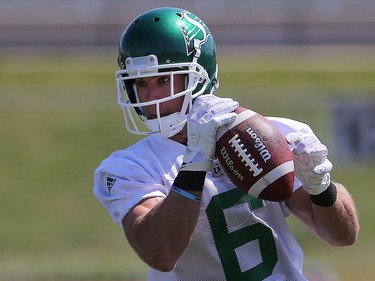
{"x":163,"y":267}
{"x":161,"y":262}
{"x":351,"y":237}
{"x":343,"y":241}
{"x":346,"y":238}
{"x":161,"y":257}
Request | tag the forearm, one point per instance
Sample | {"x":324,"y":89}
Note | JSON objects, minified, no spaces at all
{"x":161,"y":236}
{"x":337,"y":224}
{"x":326,"y":207}
{"x":160,"y":229}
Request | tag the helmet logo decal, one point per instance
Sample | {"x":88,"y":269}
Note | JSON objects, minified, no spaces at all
{"x":195,"y":33}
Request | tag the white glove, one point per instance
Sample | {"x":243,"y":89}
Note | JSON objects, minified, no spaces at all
{"x":208,"y":113}
{"x":311,"y":164}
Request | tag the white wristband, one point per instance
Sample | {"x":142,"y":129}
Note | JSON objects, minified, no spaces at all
{"x":186,"y":194}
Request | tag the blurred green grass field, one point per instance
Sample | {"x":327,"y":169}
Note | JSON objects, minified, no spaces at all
{"x":59,"y":119}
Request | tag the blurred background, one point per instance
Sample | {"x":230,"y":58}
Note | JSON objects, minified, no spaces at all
{"x":313,"y":61}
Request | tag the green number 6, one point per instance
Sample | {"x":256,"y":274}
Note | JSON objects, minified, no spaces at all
{"x":231,"y":244}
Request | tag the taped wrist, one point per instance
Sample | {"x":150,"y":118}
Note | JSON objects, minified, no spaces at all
{"x":190,"y":180}
{"x":327,"y":198}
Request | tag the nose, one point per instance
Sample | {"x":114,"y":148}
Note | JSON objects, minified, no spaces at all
{"x":152,"y":92}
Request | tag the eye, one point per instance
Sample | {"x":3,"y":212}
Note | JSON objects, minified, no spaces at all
{"x":164,"y":80}
{"x":140,"y":83}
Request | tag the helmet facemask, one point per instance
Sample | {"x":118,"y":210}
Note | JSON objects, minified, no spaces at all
{"x":196,"y":82}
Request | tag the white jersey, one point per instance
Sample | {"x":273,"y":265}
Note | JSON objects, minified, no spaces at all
{"x":237,"y":237}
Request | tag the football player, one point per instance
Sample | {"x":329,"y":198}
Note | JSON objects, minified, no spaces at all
{"x":180,"y":213}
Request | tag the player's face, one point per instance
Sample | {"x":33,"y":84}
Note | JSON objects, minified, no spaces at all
{"x":153,"y":88}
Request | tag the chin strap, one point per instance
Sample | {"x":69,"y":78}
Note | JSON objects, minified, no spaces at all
{"x":167,"y":126}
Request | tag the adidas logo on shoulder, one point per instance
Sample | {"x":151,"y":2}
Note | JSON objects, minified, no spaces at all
{"x":110,"y":183}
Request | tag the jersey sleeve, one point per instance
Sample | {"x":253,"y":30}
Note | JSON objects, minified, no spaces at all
{"x":120,"y":184}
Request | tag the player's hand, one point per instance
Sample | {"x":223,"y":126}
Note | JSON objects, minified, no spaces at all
{"x":208,"y":113}
{"x":311,"y":164}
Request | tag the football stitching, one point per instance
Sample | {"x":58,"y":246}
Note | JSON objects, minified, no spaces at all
{"x":235,"y":142}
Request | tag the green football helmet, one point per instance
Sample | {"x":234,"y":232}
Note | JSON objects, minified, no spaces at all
{"x":164,"y":41}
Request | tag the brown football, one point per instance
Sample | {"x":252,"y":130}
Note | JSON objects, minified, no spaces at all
{"x":256,"y":157}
